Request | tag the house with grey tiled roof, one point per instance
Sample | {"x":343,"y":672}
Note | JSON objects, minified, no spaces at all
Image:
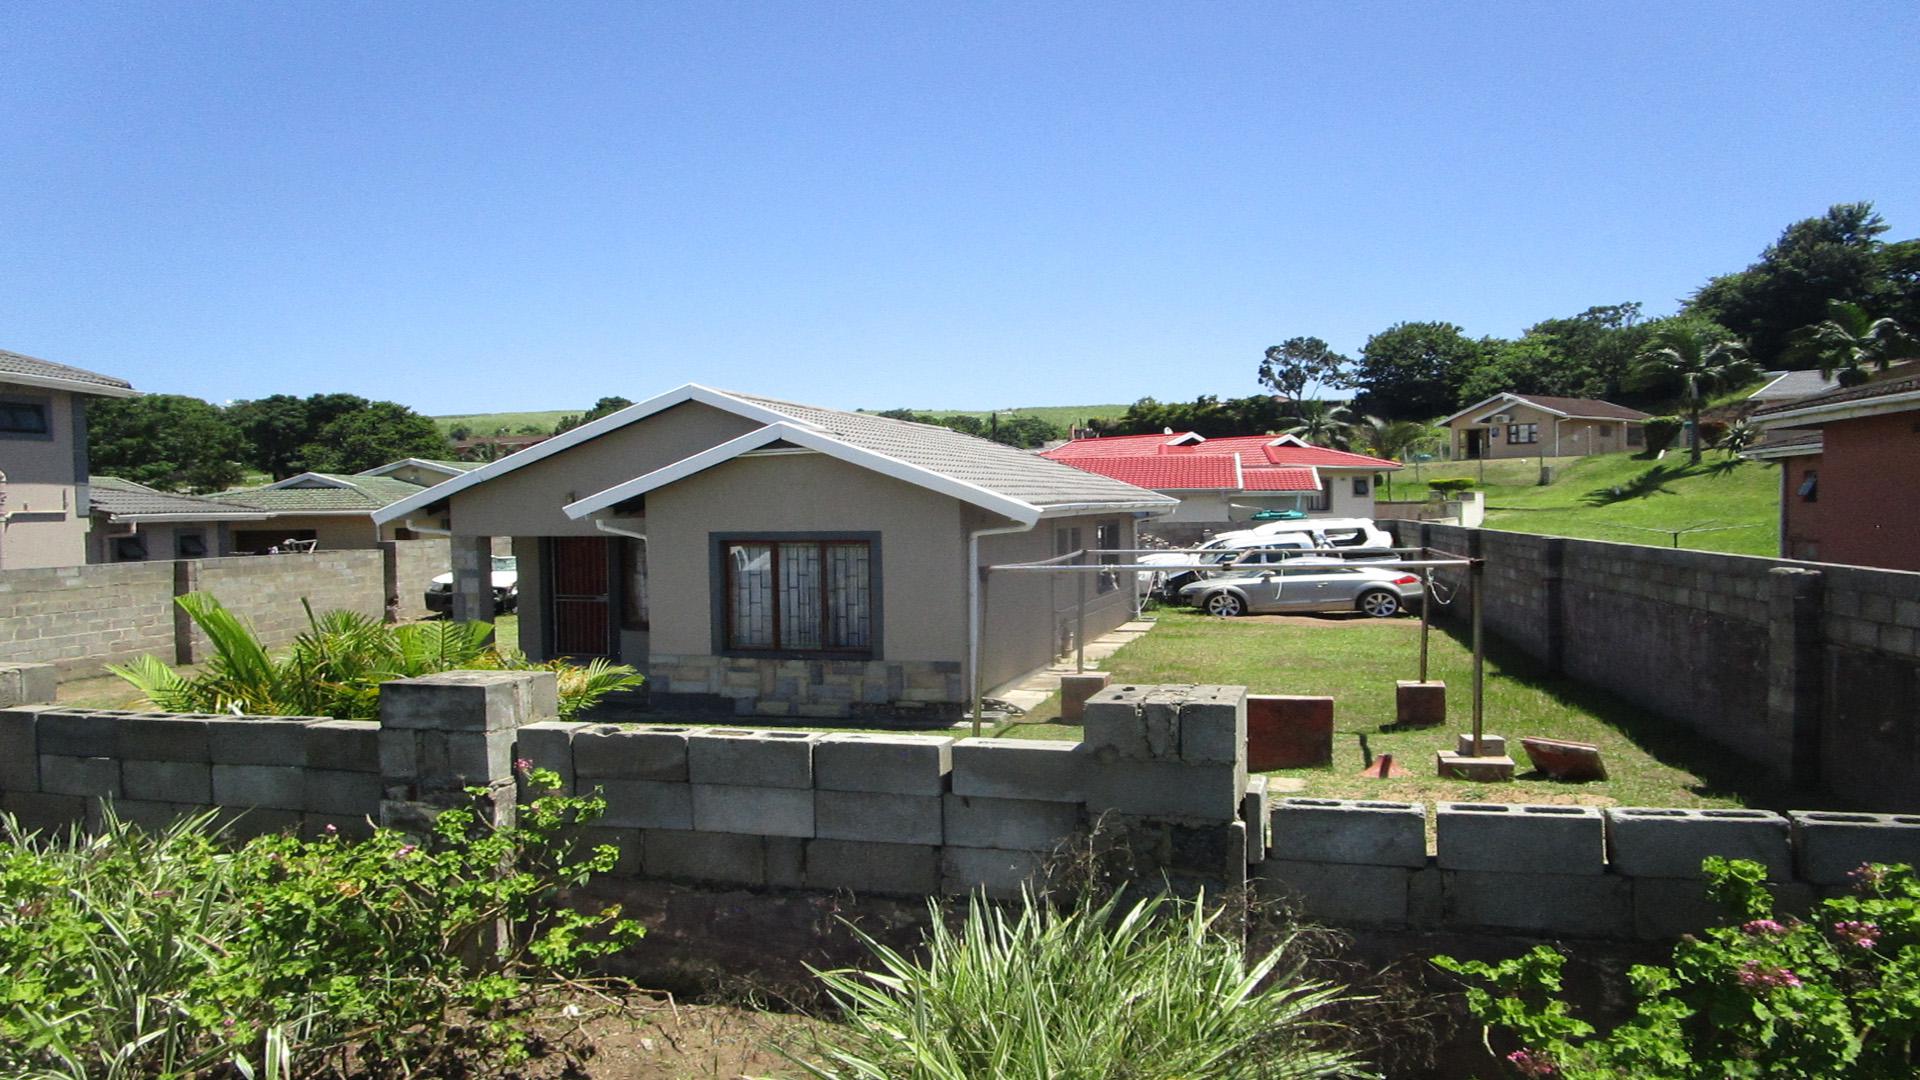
{"x":135,"y":523}
{"x":44,"y":515}
{"x":766,"y":557}
{"x":328,"y":510}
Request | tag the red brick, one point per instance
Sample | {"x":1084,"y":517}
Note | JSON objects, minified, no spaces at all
{"x":1287,"y":731}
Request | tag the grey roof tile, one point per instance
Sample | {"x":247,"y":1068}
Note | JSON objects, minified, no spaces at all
{"x":120,"y":498}
{"x":17,"y":364}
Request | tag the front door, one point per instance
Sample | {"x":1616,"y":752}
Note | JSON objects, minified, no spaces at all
{"x":1476,"y":443}
{"x":580,"y":601}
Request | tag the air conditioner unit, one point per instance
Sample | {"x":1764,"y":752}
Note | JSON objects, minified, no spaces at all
{"x":1500,"y":418}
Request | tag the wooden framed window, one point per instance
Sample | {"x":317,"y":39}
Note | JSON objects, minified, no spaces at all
{"x":1106,"y":536}
{"x":633,"y":585}
{"x":798,"y":596}
{"x":1523,"y":433}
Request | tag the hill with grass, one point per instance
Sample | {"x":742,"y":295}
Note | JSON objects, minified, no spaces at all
{"x":1724,"y":504}
{"x":1061,"y":416}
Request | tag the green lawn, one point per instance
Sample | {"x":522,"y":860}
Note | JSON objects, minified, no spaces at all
{"x":1734,"y":503}
{"x":1357,"y":660}
{"x":488,"y":423}
{"x":1060,"y":415}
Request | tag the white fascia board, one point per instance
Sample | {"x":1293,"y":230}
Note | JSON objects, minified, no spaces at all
{"x":1841,"y":410}
{"x":421,"y":463}
{"x":295,"y":481}
{"x":217,"y":515}
{"x":540,"y":451}
{"x":1289,"y":440}
{"x":1771,"y":453}
{"x":71,"y":386}
{"x":811,"y":439}
{"x":1474,"y":408}
{"x":1159,"y":506}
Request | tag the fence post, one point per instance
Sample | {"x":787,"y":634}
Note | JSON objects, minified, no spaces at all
{"x":472,"y":558}
{"x":1796,"y":662}
{"x":1553,"y":595}
{"x":390,"y":579}
{"x":443,"y":734}
{"x":186,"y":579}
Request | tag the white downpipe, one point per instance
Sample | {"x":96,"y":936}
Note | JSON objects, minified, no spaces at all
{"x":974,"y":571}
{"x":618,"y":531}
{"x":427,"y":530}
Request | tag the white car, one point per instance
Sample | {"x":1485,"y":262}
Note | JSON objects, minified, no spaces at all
{"x":1360,"y":537}
{"x":506,"y":588}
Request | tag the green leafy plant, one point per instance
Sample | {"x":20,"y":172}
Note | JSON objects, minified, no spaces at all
{"x":1159,"y":989}
{"x":336,"y":666}
{"x":1452,"y":486}
{"x":1835,"y":995}
{"x":126,"y":954}
{"x":1662,"y":430}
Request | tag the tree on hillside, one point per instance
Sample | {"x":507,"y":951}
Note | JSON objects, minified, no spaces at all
{"x":277,"y":428}
{"x":1025,"y":432}
{"x":381,"y":432}
{"x":1848,"y":340}
{"x":1297,"y":363}
{"x":1700,"y":360}
{"x":1323,"y":423}
{"x":1593,"y":351}
{"x":1413,"y":370}
{"x":1394,"y":440}
{"x":1837,"y":256}
{"x":606,"y":406}
{"x":166,"y":441}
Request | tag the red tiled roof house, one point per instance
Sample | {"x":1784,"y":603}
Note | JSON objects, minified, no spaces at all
{"x":1231,"y":478}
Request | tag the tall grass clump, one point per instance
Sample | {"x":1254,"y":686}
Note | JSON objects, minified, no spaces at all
{"x":1161,"y":988}
{"x":336,"y":666}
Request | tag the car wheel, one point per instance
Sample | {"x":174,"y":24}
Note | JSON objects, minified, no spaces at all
{"x":1379,"y":603}
{"x":1225,"y":604}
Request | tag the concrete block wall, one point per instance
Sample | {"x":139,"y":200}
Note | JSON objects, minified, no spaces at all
{"x":1806,"y":669}
{"x":266,"y":591}
{"x":746,"y":686}
{"x":409,"y":567}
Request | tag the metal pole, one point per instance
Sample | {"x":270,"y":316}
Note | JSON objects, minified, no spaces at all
{"x":1426,"y":619}
{"x":1080,"y":626}
{"x":986,"y":576}
{"x":1476,"y":573}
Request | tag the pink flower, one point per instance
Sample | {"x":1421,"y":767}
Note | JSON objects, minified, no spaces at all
{"x":1859,"y":934}
{"x":523,"y":765}
{"x":332,"y":830}
{"x":404,"y":851}
{"x":1530,"y":1063}
{"x":1867,"y":876}
{"x":1757,"y":976}
{"x":1764,"y":926}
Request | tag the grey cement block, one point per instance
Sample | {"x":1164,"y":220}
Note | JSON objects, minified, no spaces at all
{"x":1010,"y":824}
{"x":458,"y":701}
{"x":1134,"y":723}
{"x":888,"y":869}
{"x":878,"y":816}
{"x":28,"y":684}
{"x":786,"y":858}
{"x":63,"y":775}
{"x":77,"y":734}
{"x":337,"y":792}
{"x":1828,"y":845}
{"x":344,"y":826}
{"x":900,"y":764}
{"x":1658,"y":842}
{"x":1508,"y":838}
{"x":19,"y":758}
{"x":699,"y":856}
{"x":742,"y":758}
{"x":162,"y":738}
{"x":1213,"y":724}
{"x":1197,"y":791}
{"x":1355,"y":832}
{"x":548,"y":744}
{"x":628,"y":845}
{"x":1344,"y":894}
{"x":1020,"y":769}
{"x":167,"y":781}
{"x":654,"y":753}
{"x":245,"y":823}
{"x":1255,"y":813}
{"x":761,"y":811}
{"x":42,"y":813}
{"x":1665,"y":908}
{"x":1562,"y":905}
{"x":999,"y":874}
{"x":1189,"y":855}
{"x":276,"y":787}
{"x":646,"y":804}
{"x":344,"y":745}
{"x":154,"y":816}
{"x":259,"y":740}
{"x":452,"y":760}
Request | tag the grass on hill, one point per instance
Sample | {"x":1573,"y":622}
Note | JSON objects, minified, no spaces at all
{"x":1733,"y":503}
{"x":488,"y":423}
{"x":1059,"y":415}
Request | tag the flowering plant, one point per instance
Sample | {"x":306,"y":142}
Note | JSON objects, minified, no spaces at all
{"x":1834,"y":994}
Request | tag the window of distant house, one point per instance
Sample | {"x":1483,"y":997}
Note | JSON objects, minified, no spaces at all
{"x":1809,"y":490}
{"x":1636,"y":435}
{"x":1361,"y":485}
{"x":633,"y":584}
{"x":1523,"y":433}
{"x":23,"y":417}
{"x":1606,"y":431}
{"x":799,"y":596}
{"x":1106,"y":536}
{"x":129,"y":549}
{"x":190,"y":546}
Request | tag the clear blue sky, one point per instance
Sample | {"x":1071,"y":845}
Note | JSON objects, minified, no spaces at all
{"x":477,"y":207}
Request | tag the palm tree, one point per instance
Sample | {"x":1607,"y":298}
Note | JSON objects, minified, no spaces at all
{"x":1322,"y":424}
{"x":1848,"y":340}
{"x":1693,"y":356}
{"x":1394,"y":440}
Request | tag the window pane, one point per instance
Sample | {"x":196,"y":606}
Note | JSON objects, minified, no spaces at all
{"x":23,"y":418}
{"x":750,"y":596}
{"x":799,"y":596}
{"x":849,"y":601}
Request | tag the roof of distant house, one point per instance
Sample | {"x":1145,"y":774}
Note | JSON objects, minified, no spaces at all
{"x":125,"y":500}
{"x":1884,"y":395}
{"x":1785,"y":442}
{"x":1787,"y":385}
{"x":32,"y":371}
{"x":314,"y":492}
{"x":1571,"y":408}
{"x":1186,"y":461}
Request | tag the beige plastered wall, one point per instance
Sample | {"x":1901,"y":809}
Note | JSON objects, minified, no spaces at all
{"x":1030,"y":617}
{"x":47,"y":519}
{"x":1577,"y":437}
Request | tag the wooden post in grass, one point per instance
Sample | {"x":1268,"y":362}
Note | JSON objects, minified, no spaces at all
{"x":1080,"y":625}
{"x":1426,"y":603}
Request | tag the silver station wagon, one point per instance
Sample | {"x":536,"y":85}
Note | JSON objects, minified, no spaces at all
{"x":1305,"y":584}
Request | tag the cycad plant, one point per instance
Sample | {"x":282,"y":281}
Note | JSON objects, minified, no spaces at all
{"x":336,"y":666}
{"x":1322,"y":424}
{"x":1163,"y":988}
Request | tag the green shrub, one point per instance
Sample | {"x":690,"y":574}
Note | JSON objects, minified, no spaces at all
{"x":1835,"y":996}
{"x":126,"y":954}
{"x":1662,"y":430}
{"x":336,"y":667}
{"x":1451,"y":487}
{"x":1161,"y":989}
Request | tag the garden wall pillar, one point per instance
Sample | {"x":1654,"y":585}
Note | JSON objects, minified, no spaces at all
{"x":472,"y":578}
{"x":1553,"y":597}
{"x":441,"y":735}
{"x":186,"y":579}
{"x":1795,"y":670}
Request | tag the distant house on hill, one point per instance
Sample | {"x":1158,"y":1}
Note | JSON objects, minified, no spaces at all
{"x":1534,"y":425}
{"x":44,"y":502}
{"x":1849,"y":473}
{"x":335,"y":510}
{"x":1229,"y":479}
